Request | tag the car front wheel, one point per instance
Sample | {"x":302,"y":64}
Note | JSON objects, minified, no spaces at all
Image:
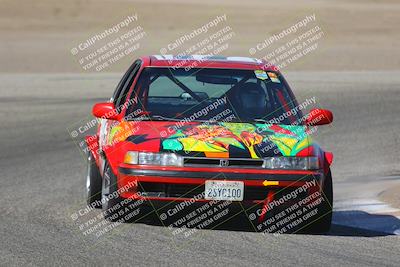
{"x":111,"y":202}
{"x":324,"y":214}
{"x":93,"y":183}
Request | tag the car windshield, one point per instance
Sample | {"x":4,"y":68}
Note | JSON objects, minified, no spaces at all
{"x":229,"y":95}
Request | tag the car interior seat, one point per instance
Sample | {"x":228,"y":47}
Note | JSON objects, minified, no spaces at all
{"x":250,"y":101}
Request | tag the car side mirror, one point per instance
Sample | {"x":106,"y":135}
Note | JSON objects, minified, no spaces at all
{"x":319,"y":117}
{"x":105,"y":110}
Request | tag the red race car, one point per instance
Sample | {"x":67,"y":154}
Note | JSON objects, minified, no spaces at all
{"x":194,"y":131}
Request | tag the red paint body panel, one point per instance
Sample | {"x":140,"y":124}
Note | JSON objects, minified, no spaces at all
{"x":209,"y":63}
{"x":211,"y":169}
{"x":92,"y":142}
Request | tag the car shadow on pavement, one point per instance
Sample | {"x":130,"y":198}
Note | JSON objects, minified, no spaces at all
{"x":345,"y":223}
{"x":361,"y":223}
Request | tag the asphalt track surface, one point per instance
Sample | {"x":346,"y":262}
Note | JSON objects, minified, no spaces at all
{"x":43,"y":180}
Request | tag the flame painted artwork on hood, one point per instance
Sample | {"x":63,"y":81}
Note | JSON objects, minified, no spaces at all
{"x":226,"y":140}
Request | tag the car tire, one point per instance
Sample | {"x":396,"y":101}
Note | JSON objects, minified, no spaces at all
{"x":93,"y":183}
{"x":111,"y":202}
{"x":324,"y":215}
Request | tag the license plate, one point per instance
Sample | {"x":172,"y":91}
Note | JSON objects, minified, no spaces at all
{"x":224,"y":190}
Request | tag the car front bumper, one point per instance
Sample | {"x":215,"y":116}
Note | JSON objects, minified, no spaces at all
{"x":177,"y":184}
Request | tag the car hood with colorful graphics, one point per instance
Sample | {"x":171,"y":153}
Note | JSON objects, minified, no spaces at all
{"x":217,"y":140}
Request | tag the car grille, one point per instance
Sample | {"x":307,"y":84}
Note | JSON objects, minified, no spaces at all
{"x":197,"y":191}
{"x":171,"y":190}
{"x":222,"y":162}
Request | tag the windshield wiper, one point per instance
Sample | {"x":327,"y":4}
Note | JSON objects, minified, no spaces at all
{"x":262,"y":120}
{"x":162,"y":118}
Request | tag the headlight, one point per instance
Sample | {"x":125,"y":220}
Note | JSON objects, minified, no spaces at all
{"x":149,"y":158}
{"x":291,"y":163}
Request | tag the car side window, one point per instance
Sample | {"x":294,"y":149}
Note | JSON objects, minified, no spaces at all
{"x":126,"y":83}
{"x":120,"y":85}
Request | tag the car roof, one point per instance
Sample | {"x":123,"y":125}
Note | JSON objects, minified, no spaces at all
{"x":206,"y":61}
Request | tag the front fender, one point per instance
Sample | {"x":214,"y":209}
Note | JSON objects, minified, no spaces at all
{"x":92,"y":143}
{"x":115,"y":154}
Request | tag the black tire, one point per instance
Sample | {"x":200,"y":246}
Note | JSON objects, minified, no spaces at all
{"x":324,"y":215}
{"x":93,"y":183}
{"x":111,"y":203}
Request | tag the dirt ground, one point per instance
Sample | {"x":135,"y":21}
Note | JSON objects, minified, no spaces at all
{"x":37,"y":36}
